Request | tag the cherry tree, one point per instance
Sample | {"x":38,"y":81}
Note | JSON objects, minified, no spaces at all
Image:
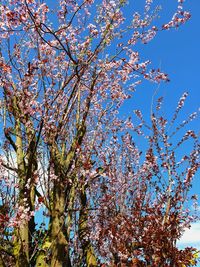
{"x":76,"y":190}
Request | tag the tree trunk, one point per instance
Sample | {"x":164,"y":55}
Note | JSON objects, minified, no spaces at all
{"x":21,"y":246}
{"x":41,"y":259}
{"x":2,"y":263}
{"x":89,"y":257}
{"x":21,"y":234}
{"x":59,"y":242}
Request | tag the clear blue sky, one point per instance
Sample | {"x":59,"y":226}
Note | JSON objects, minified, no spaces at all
{"x":177,"y":52}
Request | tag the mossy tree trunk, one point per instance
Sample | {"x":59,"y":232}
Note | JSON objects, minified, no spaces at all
{"x":88,"y":256}
{"x":59,"y":242}
{"x":21,"y":233}
{"x":25,"y":147}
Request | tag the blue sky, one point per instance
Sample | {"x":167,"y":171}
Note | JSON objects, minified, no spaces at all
{"x":176,"y":52}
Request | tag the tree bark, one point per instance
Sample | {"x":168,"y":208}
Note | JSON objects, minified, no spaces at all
{"x":59,"y":242}
{"x":21,"y":246}
{"x":89,"y":257}
{"x":21,"y":234}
